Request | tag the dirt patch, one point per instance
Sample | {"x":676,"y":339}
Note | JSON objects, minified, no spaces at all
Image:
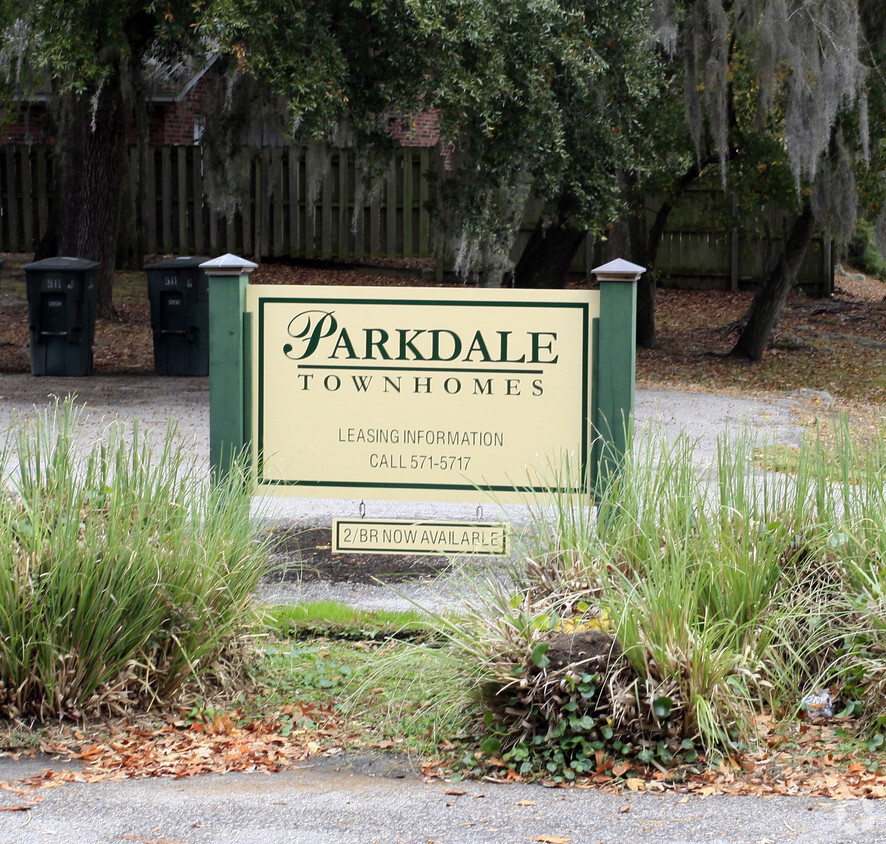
{"x":835,"y":345}
{"x":304,"y":555}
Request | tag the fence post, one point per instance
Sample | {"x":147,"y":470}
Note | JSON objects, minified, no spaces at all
{"x":615,"y":363}
{"x":228,"y":359}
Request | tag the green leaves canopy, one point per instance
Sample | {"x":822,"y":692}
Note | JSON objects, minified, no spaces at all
{"x":539,"y":93}
{"x":81,"y":44}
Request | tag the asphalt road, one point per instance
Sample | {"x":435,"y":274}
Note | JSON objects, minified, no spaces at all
{"x":369,"y":800}
{"x":331,"y":803}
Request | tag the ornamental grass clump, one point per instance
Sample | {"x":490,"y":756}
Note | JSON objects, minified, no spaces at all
{"x":855,"y":547}
{"x":124,"y":574}
{"x":693,"y":598}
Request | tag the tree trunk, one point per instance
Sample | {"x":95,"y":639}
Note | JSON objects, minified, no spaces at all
{"x":629,"y":239}
{"x":547,"y":256}
{"x":647,"y":255}
{"x":647,"y":249}
{"x":643,"y":253}
{"x":767,"y":306}
{"x":91,"y":150}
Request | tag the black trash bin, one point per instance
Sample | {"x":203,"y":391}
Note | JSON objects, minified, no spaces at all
{"x":179,"y":294}
{"x":62,"y":294}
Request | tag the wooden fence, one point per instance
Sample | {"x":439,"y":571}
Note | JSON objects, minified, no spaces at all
{"x":283,"y":209}
{"x":308,"y":201}
{"x":699,"y":249}
{"x":24,"y":196}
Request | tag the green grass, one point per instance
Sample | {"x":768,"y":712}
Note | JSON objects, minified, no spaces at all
{"x":124,"y":573}
{"x":332,"y":619}
{"x":729,"y":591}
{"x":390,"y":694}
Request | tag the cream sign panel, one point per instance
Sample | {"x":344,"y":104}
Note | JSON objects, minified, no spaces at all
{"x":415,"y":393}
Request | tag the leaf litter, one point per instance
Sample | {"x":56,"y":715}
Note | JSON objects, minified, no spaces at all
{"x":798,"y":759}
{"x":180,"y":748}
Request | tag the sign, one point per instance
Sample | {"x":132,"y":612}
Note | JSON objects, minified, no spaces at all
{"x":421,"y":393}
{"x":400,"y":536}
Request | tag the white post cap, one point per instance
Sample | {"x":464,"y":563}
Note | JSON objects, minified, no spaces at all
{"x":618,"y":270}
{"x":228,"y":265}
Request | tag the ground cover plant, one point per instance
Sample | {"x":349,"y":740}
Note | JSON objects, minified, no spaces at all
{"x":124,"y":574}
{"x":693,"y":602}
{"x":315,"y":619}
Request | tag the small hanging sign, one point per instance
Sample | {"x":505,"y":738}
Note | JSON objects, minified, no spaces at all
{"x":430,"y":538}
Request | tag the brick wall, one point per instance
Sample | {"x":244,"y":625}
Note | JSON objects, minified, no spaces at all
{"x":28,"y":126}
{"x":173,"y":123}
{"x":416,"y":130}
{"x":169,"y":122}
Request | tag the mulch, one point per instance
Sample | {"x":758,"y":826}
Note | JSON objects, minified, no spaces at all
{"x":304,"y":555}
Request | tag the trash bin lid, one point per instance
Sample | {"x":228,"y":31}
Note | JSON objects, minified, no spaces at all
{"x":185,"y":262}
{"x":62,"y":263}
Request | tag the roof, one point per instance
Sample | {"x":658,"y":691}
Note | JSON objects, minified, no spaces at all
{"x":165,"y":84}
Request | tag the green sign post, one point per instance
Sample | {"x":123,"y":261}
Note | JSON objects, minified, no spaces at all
{"x":229,"y":360}
{"x":616,"y":361}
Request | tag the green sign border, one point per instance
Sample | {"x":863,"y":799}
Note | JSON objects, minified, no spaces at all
{"x":589,"y":331}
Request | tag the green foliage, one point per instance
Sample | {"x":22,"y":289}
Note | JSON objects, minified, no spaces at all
{"x":330,"y":61}
{"x":537,"y":98}
{"x":124,"y":575}
{"x":307,"y":667}
{"x":83,"y":44}
{"x":713,"y":596}
{"x":863,"y":253}
{"x":329,"y":618}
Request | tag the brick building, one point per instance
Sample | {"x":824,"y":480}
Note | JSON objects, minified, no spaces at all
{"x":178,"y":110}
{"x":175,"y":111}
{"x":416,"y":130}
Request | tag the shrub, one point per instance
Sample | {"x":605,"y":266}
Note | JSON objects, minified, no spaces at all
{"x":124,"y":574}
{"x":723,"y":590}
{"x":862,"y":250}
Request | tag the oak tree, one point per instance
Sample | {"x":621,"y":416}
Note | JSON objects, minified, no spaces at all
{"x":790,"y":71}
{"x":90,"y":57}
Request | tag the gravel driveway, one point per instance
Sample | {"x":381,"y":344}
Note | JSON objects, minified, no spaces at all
{"x":155,"y":401}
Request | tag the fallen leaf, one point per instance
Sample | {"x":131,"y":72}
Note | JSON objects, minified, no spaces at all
{"x":620,"y":769}
{"x":551,"y":839}
{"x":635,"y":784}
